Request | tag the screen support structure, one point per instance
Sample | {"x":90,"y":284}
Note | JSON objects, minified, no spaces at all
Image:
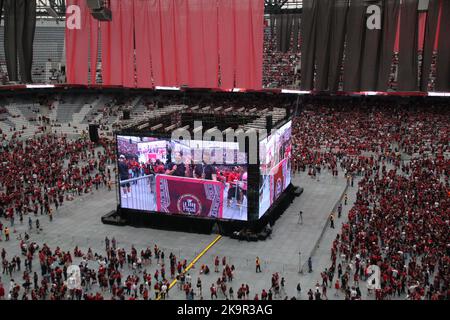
{"x":253,"y":176}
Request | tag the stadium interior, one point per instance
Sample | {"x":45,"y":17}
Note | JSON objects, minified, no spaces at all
{"x":349,"y":197}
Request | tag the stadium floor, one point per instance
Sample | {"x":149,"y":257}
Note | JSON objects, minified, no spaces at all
{"x":78,"y":223}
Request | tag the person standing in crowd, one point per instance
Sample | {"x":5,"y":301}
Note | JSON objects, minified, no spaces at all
{"x":6,"y":234}
{"x":216,"y":264}
{"x":213,"y":291}
{"x":50,"y":214}
{"x":258,"y":265}
{"x":337,"y":287}
{"x":300,"y":217}
{"x":124,"y":175}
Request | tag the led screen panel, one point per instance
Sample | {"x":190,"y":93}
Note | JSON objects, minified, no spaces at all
{"x":189,"y":177}
{"x":275,"y":166}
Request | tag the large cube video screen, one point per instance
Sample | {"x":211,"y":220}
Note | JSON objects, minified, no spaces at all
{"x":189,"y":177}
{"x":275,"y":166}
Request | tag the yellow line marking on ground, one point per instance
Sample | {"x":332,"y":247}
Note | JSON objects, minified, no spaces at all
{"x":194,"y":261}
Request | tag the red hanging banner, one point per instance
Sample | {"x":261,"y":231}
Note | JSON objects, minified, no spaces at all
{"x":227,"y":43}
{"x":182,"y":36}
{"x":211,"y":45}
{"x":258,"y":43}
{"x":168,"y":44}
{"x":156,"y":47}
{"x":243,"y":35}
{"x":143,"y":54}
{"x":197,"y":44}
{"x":127,"y":38}
{"x":77,"y":42}
{"x":118,"y":45}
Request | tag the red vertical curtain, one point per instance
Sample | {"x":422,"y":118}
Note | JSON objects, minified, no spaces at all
{"x":202,"y":47}
{"x":211,"y":47}
{"x":127,"y":38}
{"x":143,"y":56}
{"x":94,"y":26}
{"x":227,"y":43}
{"x":243,"y":42}
{"x":249,"y":40}
{"x":197,"y":42}
{"x":258,"y":43}
{"x":169,"y":46}
{"x":77,"y":44}
{"x":118,"y":45}
{"x":115,"y":45}
{"x":156,"y":49}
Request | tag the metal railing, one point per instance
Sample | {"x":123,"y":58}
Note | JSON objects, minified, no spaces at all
{"x":138,"y":193}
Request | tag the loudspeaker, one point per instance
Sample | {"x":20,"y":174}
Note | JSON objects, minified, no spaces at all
{"x":126,"y":114}
{"x":423,"y":5}
{"x":103,"y":14}
{"x":95,"y":4}
{"x":269,"y":124}
{"x":93,"y":133}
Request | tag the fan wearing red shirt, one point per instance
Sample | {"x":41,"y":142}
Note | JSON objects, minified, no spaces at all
{"x":232,"y":178}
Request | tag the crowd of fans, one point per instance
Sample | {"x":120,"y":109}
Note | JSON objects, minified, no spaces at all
{"x":40,"y":173}
{"x":400,"y":220}
{"x":398,"y":156}
{"x":280,"y":69}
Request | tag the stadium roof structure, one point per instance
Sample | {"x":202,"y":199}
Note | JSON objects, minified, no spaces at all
{"x":52,"y":9}
{"x":48,"y":9}
{"x":55,"y":9}
{"x":283,"y":6}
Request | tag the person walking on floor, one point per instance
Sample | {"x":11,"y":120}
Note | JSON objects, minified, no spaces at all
{"x":258,"y":265}
{"x":6,"y":234}
{"x":300,"y":218}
